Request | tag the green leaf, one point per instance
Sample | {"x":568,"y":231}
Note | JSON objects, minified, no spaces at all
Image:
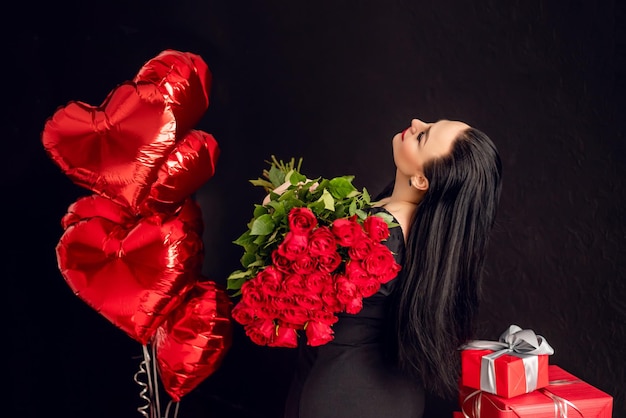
{"x":328,"y":200}
{"x":294,"y":177}
{"x":341,"y":187}
{"x":244,"y":239}
{"x":279,"y":210}
{"x":263,"y":225}
{"x":361,"y":214}
{"x":260,"y":240}
{"x":260,"y":210}
{"x":235,"y":284}
{"x":262,"y":183}
{"x":276,"y":176}
{"x":318,"y":206}
{"x":251,"y":247}
{"x":257,"y":263}
{"x":352,"y":208}
{"x":238,"y":274}
{"x":366,"y":197}
{"x":247,"y":259}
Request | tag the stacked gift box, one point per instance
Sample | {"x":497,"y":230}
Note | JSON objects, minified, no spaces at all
{"x":512,"y":378}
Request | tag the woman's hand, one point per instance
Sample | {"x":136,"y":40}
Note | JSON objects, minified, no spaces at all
{"x":281,"y":189}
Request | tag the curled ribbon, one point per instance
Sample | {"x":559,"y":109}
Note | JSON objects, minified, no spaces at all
{"x":515,"y":341}
{"x":474,"y":400}
{"x":561,"y":404}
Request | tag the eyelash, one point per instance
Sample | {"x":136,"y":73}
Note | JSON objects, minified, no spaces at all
{"x":420,"y":136}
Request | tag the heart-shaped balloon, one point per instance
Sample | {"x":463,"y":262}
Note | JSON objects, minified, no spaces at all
{"x":191,"y":215}
{"x":134,"y":275}
{"x":97,"y":206}
{"x":192,"y":343}
{"x":184,"y":81}
{"x":191,"y":163}
{"x":114,"y":149}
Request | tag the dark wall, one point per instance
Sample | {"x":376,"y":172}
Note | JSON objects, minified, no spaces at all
{"x":330,"y":81}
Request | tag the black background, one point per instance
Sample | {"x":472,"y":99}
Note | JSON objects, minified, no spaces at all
{"x":330,"y":81}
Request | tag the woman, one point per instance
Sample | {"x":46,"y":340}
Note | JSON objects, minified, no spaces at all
{"x":405,"y":340}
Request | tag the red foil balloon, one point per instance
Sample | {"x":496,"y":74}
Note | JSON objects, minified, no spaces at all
{"x":194,"y":340}
{"x":115,"y":149}
{"x":191,"y":215}
{"x":96,"y":205}
{"x":133,"y":274}
{"x":191,"y":163}
{"x":184,"y":81}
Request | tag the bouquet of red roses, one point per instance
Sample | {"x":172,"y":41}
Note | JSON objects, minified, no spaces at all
{"x":310,"y":252}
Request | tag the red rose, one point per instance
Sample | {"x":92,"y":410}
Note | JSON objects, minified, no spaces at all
{"x":316,"y":280}
{"x":242,"y":313}
{"x":318,"y":333}
{"x":260,"y":331}
{"x":354,"y":306}
{"x":282,"y":263}
{"x":284,"y":337}
{"x":324,"y":317}
{"x":322,"y":242}
{"x":346,"y":289}
{"x":309,"y":301}
{"x":294,"y":284}
{"x":303,"y":264}
{"x":267,"y":311}
{"x":360,"y":248}
{"x":294,"y":315}
{"x":328,"y":263}
{"x":379,"y":260}
{"x":346,"y":230}
{"x":293,"y":246}
{"x":367,"y":286}
{"x":280,"y":302}
{"x":329,"y":296}
{"x":252,"y":294}
{"x":301,"y":221}
{"x":355,"y":271}
{"x":270,"y":280}
{"x":390,"y":273}
{"x":348,"y":295}
{"x":376,"y":228}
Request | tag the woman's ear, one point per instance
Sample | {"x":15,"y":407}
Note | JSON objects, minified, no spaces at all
{"x":419,"y":182}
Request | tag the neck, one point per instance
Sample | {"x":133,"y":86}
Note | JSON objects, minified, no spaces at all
{"x":405,"y":193}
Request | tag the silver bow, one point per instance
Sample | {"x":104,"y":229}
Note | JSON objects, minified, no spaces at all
{"x":522,"y":343}
{"x":515,"y":339}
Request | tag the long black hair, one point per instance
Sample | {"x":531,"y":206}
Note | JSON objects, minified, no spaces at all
{"x":436,"y":301}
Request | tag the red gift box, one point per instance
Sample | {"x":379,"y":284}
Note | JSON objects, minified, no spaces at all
{"x":503,"y":373}
{"x":565,"y":396}
{"x":514,"y":365}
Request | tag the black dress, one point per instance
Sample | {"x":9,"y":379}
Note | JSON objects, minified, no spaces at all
{"x":351,"y":377}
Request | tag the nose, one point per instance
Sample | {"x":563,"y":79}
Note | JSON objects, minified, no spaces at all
{"x":417,"y":125}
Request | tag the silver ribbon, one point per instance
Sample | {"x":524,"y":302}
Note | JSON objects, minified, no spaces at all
{"x":476,"y":398}
{"x":515,"y":341}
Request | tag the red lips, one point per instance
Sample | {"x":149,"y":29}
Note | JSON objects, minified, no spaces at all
{"x":403,"y":132}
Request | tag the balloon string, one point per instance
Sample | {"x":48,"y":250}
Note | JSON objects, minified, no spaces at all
{"x":144,"y":393}
{"x":155,"y":380}
{"x":150,"y":390}
{"x":167,"y":410}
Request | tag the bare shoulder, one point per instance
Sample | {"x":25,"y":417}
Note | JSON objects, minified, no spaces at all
{"x":403,"y":212}
{"x":381,"y":202}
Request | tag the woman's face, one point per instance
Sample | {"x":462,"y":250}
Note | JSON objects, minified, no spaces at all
{"x":422,"y":142}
